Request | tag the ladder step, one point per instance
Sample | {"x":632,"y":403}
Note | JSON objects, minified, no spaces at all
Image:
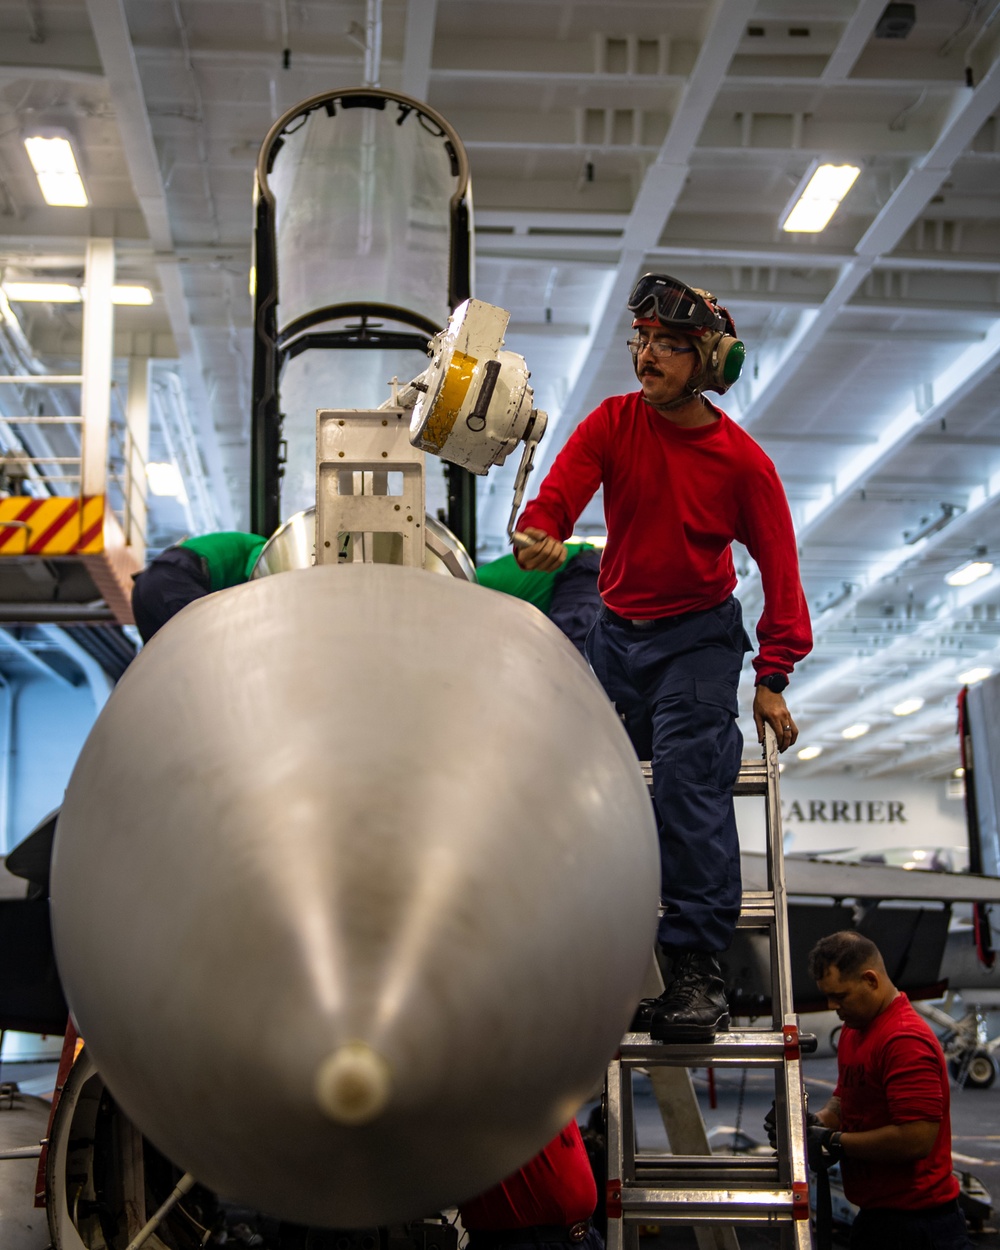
{"x":693,"y":1206}
{"x":735,"y":1048}
{"x":724,"y":1188}
{"x":752,"y":777}
{"x":757,"y":911}
{"x":655,"y":1171}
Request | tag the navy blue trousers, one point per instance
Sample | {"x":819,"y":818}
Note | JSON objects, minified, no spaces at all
{"x":175,"y":578}
{"x":939,"y":1228}
{"x":676,"y":684}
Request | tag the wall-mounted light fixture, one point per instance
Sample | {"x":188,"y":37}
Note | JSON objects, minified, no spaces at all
{"x":54,"y":162}
{"x":817,"y":198}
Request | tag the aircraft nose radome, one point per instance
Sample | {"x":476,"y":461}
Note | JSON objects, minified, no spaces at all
{"x":353,"y":1084}
{"x":354,"y":891}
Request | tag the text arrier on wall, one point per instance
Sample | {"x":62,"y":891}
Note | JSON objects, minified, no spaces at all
{"x":858,"y":811}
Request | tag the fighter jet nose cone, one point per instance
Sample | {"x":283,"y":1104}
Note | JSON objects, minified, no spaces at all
{"x":354,"y":804}
{"x":353,"y":1084}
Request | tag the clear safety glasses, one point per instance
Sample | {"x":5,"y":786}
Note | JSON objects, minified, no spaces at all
{"x":662,"y":351}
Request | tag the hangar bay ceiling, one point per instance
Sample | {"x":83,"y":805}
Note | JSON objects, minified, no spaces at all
{"x":604,"y":139}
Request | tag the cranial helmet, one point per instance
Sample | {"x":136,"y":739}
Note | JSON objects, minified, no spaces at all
{"x":659,"y":300}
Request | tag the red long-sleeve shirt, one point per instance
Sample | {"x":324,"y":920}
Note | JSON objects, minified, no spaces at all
{"x":675,"y":498}
{"x":555,"y":1187}
{"x":893,"y":1072}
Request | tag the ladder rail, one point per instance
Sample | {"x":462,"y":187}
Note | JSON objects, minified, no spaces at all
{"x":725,"y":1191}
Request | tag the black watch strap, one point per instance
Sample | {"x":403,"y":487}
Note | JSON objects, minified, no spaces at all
{"x":775,"y":682}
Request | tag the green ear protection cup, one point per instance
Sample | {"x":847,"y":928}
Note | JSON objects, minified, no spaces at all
{"x":722,"y":358}
{"x":729,"y":358}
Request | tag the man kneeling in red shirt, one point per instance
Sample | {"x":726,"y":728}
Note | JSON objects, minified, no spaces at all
{"x":888,"y":1121}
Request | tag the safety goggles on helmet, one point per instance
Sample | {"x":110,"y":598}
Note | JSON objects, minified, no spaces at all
{"x":673,"y":304}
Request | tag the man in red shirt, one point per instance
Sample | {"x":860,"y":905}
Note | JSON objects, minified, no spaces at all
{"x":548,"y":1202}
{"x":681,"y":482}
{"x":888,"y":1121}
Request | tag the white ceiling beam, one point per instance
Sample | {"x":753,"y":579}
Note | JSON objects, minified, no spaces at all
{"x":573,"y":243}
{"x":263,"y":57}
{"x":661,"y":187}
{"x":855,"y":671}
{"x":970,"y":110}
{"x":111,"y":32}
{"x":895,"y":560}
{"x":110,"y":27}
{"x":929,"y":762}
{"x":882,"y":700}
{"x":890,"y":748}
{"x":49,"y":73}
{"x":853,"y":41}
{"x":549,"y":134}
{"x":418,"y":44}
{"x":735,"y":83}
{"x":949,"y":388}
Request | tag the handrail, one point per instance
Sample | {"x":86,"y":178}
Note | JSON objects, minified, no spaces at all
{"x":42,"y":379}
{"x":28,"y":419}
{"x":124,"y":471}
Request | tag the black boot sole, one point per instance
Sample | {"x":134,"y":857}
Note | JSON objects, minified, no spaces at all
{"x":661,"y":1031}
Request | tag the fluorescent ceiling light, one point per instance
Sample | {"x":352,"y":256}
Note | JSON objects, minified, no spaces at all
{"x":855,"y":731}
{"x":959,"y":772}
{"x":810,"y":753}
{"x":55,"y":168}
{"x":972,"y":675}
{"x":67,"y":293}
{"x":970,"y":571}
{"x":908,"y":706}
{"x":131,"y":295}
{"x":819,"y":200}
{"x":44,"y":292}
{"x":164,"y":479}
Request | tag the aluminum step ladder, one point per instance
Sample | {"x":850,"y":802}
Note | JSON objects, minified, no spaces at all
{"x":715,"y":1194}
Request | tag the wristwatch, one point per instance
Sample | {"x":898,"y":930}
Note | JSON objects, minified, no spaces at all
{"x":775,"y":682}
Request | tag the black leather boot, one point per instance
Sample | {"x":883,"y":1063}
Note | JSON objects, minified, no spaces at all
{"x":693,"y":1007}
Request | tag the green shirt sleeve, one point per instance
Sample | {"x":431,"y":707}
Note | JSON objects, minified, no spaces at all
{"x":507,"y":575}
{"x":230,"y":556}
